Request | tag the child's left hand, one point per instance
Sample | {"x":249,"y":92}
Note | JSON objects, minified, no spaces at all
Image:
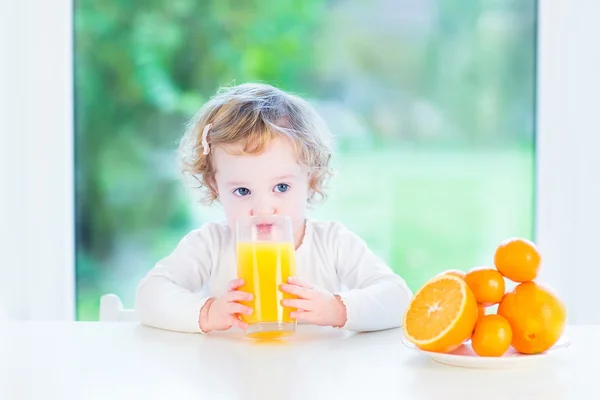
{"x":314,"y":304}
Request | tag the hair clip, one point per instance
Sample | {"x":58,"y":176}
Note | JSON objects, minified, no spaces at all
{"x":205,"y":140}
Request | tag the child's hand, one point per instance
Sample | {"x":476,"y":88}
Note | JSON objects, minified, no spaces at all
{"x":315,"y":305}
{"x":220,"y":313}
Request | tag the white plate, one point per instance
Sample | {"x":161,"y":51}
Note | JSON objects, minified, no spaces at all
{"x":465,"y":356}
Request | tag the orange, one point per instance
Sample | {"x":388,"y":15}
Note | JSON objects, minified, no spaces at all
{"x":454,"y":272}
{"x":480,"y":312}
{"x":518,"y":259}
{"x":487,"y":285}
{"x":441,"y":314}
{"x":537,"y":317}
{"x":492,"y":336}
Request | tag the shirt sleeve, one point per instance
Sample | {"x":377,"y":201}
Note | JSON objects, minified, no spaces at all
{"x":376,"y":298}
{"x":169,"y":296}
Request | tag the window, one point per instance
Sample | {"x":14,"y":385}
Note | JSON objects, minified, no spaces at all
{"x":432,"y":103}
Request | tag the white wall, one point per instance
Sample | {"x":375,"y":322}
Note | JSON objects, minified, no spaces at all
{"x":36,"y":192}
{"x":36,"y":174}
{"x":568,"y":187}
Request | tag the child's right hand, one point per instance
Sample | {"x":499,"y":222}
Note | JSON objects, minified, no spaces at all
{"x":220,"y":313}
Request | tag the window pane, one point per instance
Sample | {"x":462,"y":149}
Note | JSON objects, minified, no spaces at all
{"x":431,"y":102}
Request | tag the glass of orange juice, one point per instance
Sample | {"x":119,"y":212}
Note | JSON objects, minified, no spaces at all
{"x":266,"y":258}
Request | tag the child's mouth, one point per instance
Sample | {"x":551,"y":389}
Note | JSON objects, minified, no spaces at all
{"x":264,"y":228}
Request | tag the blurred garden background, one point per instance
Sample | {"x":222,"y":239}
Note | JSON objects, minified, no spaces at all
{"x":432,"y":103}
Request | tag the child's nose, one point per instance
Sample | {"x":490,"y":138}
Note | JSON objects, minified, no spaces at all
{"x":263,"y":210}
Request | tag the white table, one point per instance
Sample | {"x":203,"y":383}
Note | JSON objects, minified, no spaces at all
{"x":127,"y":361}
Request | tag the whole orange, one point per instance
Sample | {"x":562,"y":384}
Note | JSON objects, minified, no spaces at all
{"x":518,"y":259}
{"x":455,"y":272}
{"x":537,"y":317}
{"x":480,"y":312}
{"x":492,"y":336}
{"x":487,"y":285}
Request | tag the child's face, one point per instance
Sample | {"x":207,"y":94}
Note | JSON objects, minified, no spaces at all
{"x":269,"y":183}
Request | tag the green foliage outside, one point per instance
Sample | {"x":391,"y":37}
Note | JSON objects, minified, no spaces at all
{"x":432,"y":105}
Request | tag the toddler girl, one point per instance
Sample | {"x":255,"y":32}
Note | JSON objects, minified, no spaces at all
{"x":260,"y":151}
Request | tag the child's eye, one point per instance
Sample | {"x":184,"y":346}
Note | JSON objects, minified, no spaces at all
{"x":282,"y":187}
{"x":241,"y":192}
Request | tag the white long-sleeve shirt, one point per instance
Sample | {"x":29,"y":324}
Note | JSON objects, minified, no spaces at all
{"x":171,"y":295}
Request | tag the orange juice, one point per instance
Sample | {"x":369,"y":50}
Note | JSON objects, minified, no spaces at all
{"x":264,"y":266}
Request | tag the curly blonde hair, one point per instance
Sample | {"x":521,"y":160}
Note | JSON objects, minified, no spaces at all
{"x":253,"y":114}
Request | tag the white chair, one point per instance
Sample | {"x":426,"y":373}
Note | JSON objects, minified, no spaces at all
{"x":112,"y":310}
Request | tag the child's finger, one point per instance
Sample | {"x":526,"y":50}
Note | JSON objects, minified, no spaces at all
{"x":300,"y":304}
{"x":301,"y":292}
{"x":302,"y":316}
{"x":238,"y":295}
{"x":299,"y":282}
{"x":237,"y":323}
{"x":234,"y":284}
{"x":237,"y":308}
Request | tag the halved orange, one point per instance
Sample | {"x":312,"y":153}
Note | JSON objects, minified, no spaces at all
{"x":457,"y":272}
{"x":441,"y":315}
